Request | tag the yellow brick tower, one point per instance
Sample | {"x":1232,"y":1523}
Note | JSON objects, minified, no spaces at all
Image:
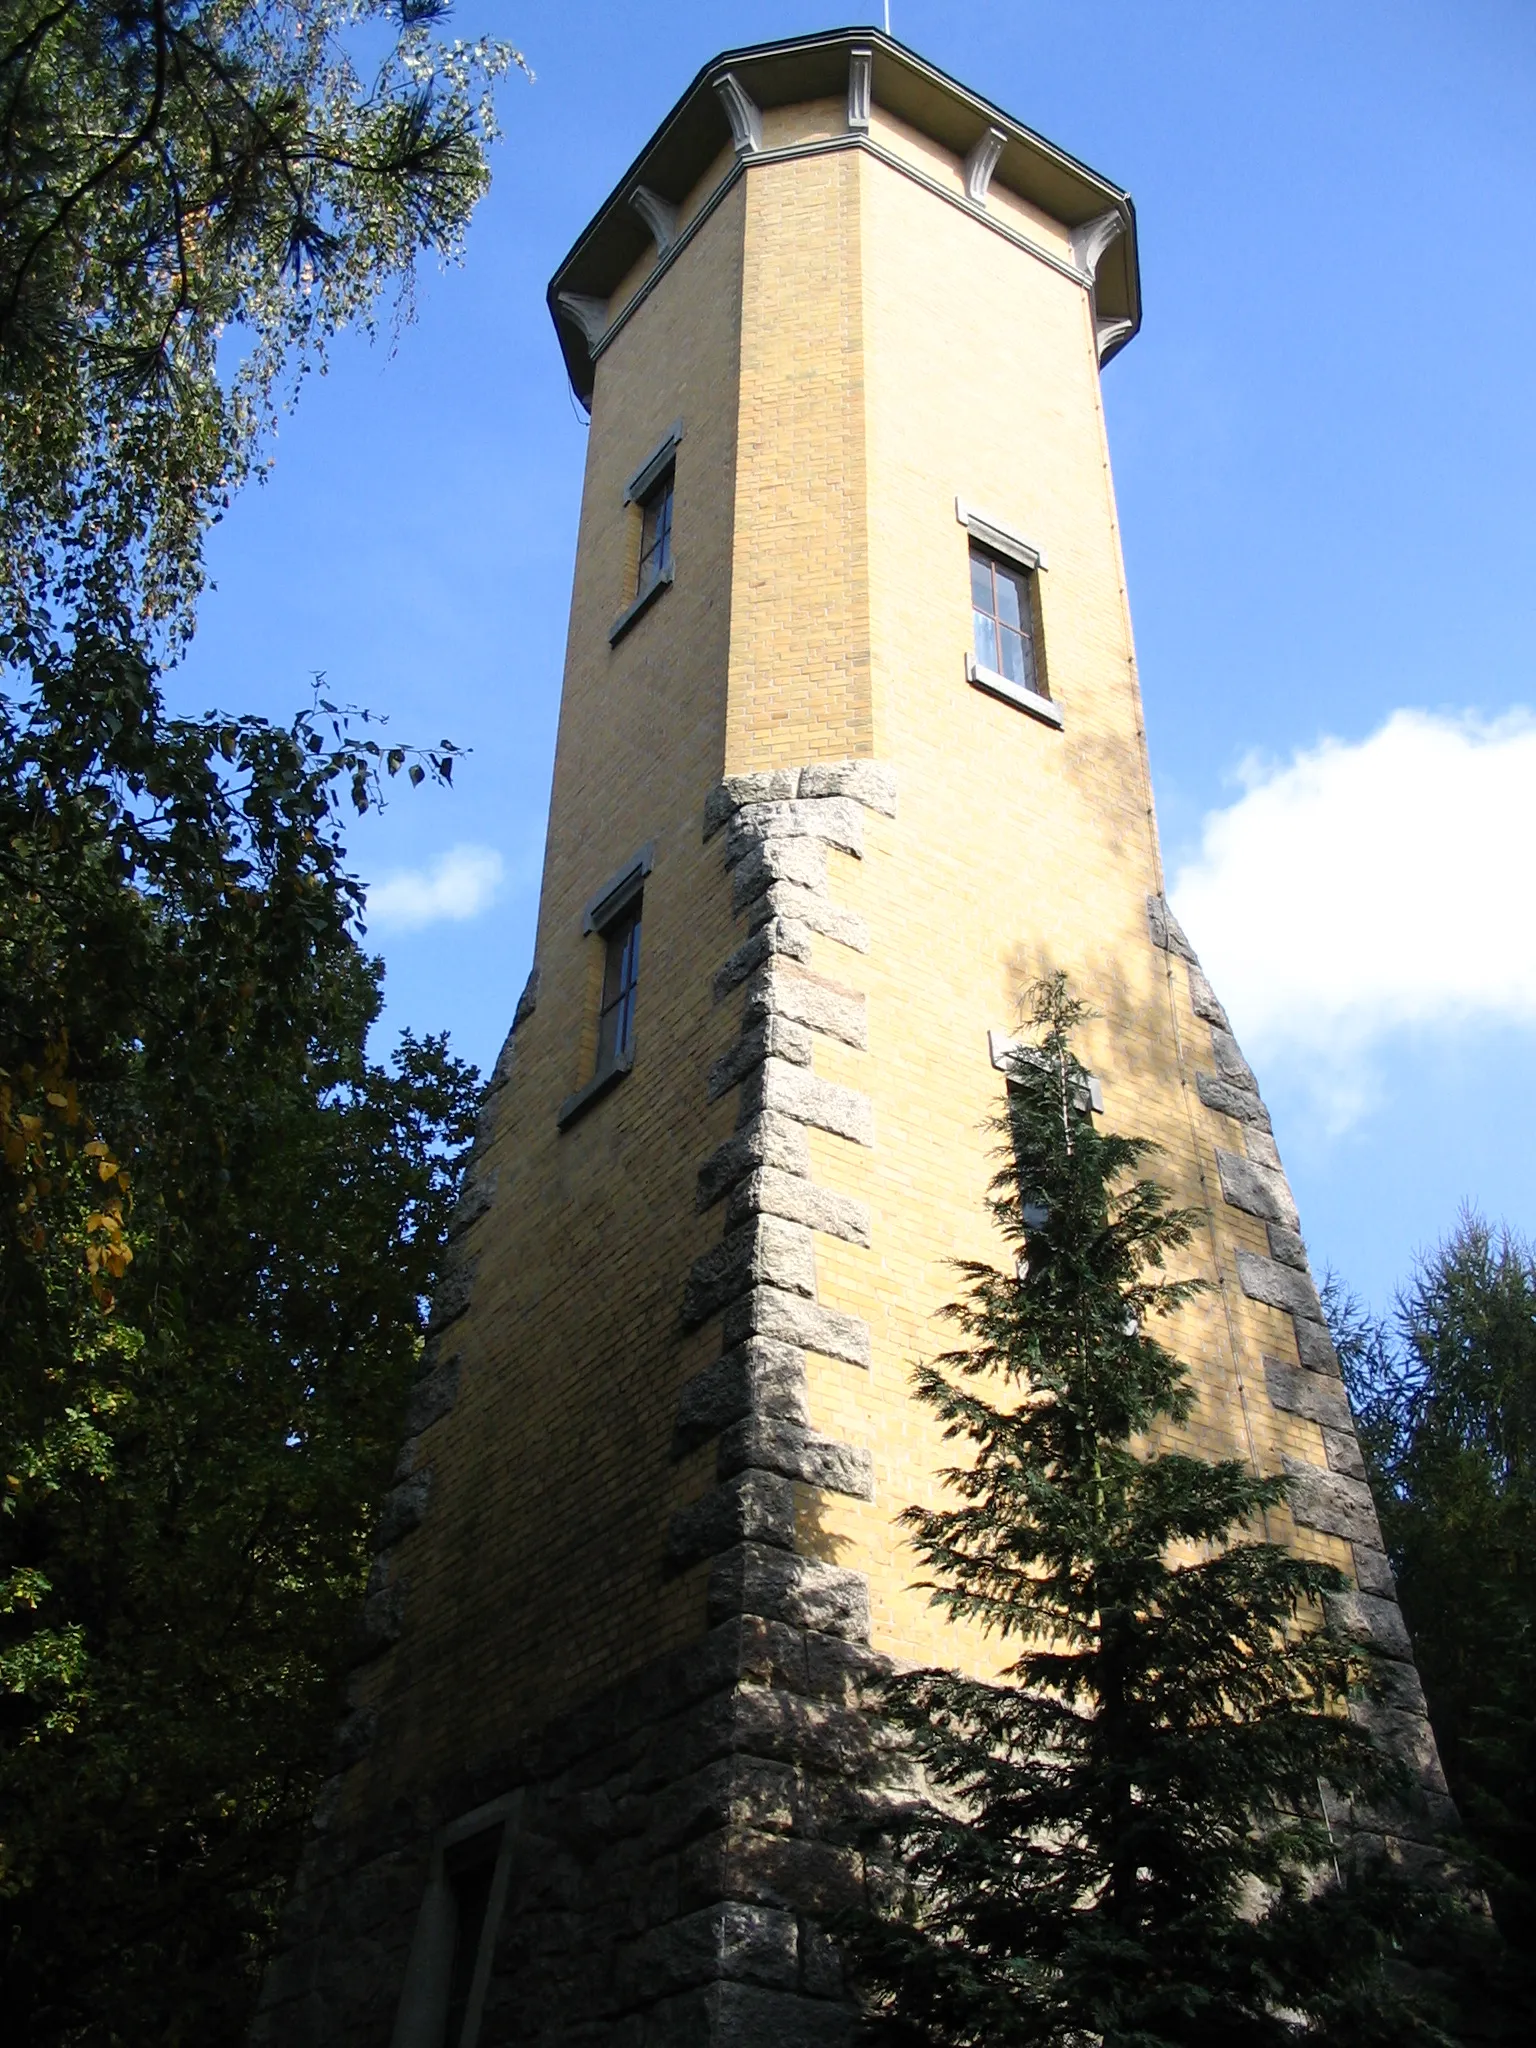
{"x":850,"y":751}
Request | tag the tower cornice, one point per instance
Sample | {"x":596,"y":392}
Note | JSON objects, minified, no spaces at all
{"x":721,"y":110}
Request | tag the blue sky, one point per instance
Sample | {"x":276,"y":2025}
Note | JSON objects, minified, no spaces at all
{"x":1325,"y":452}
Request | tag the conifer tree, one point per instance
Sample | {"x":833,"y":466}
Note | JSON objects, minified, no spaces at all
{"x":1122,"y":1841}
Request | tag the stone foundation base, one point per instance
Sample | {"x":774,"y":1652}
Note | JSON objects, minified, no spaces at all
{"x":669,"y":1855}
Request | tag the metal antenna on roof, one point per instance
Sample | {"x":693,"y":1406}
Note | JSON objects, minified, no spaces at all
{"x":887,"y":16}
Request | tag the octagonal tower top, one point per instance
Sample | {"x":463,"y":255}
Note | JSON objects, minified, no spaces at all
{"x":873,"y":94}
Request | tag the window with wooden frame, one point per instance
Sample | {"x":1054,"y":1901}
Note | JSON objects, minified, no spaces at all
{"x":1007,"y":654}
{"x":1003,"y":620}
{"x":621,"y":977}
{"x":649,"y":495}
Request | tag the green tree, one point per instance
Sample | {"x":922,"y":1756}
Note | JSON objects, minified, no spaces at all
{"x":219,"y":1216}
{"x":220,"y":1220}
{"x":1446,"y":1398}
{"x":195,"y":197}
{"x":1120,"y":1841}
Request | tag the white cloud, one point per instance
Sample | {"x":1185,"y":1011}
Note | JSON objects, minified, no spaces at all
{"x":458,"y":885}
{"x":1366,"y":888}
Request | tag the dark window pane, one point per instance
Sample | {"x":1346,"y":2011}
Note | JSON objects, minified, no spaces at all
{"x":655,"y":534}
{"x":621,"y":973}
{"x":981,"y":582}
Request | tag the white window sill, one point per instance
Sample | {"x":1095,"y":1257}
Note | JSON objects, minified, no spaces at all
{"x":1013,"y":693}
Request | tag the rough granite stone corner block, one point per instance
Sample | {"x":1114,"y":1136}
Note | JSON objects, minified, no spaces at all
{"x":773,"y":1036}
{"x":769,"y":785}
{"x":403,"y":1510}
{"x":759,"y":1377}
{"x":1407,"y":1736}
{"x":1397,"y":1684}
{"x":754,"y":1507}
{"x":813,"y":909}
{"x":810,"y":1000}
{"x":354,"y":1738}
{"x":1371,"y":1621}
{"x":1343,"y":1450}
{"x":835,"y":819}
{"x":870,"y":783}
{"x":782,"y":1587}
{"x":768,"y":1192}
{"x":1230,"y":1064}
{"x":1373,"y":1571}
{"x":1286,"y":1247}
{"x":479,"y":1192}
{"x":453,"y":1294}
{"x":1314,"y":1346}
{"x":1261,"y":1147}
{"x":765,"y":1252}
{"x":781,"y":935}
{"x":1202,"y":999}
{"x":763,"y":1141}
{"x":770,"y":1444}
{"x":801,"y":863}
{"x":777,"y":1087}
{"x":769,"y":1312}
{"x":383,"y":1617}
{"x":1229,"y":1100}
{"x":1329,"y":1501}
{"x":1257,"y":1190}
{"x":1167,"y":933}
{"x":1299,"y":1392}
{"x":1278,"y":1286}
{"x":433,"y":1396}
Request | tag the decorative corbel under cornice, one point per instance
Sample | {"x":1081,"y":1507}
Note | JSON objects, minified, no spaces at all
{"x":1107,"y":332}
{"x":1091,"y":240}
{"x":743,"y":113}
{"x":861,"y":71}
{"x":981,"y":163}
{"x":590,"y":315}
{"x":659,"y":215}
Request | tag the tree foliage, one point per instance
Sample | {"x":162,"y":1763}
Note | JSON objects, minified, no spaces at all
{"x":1445,"y":1393}
{"x":1121,"y":1840}
{"x":219,"y":1215}
{"x":195,"y":196}
{"x":219,"y":1221}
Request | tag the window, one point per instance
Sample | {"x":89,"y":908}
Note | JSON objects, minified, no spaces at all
{"x":649,"y":493}
{"x":1002,"y":616}
{"x":470,"y":1870}
{"x":613,"y":918}
{"x":453,"y":1949}
{"x":621,"y":971}
{"x":1008,"y":660}
{"x":655,"y":535}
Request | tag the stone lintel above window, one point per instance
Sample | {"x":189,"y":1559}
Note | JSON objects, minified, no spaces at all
{"x":655,"y":465}
{"x":619,"y":891}
{"x":1001,"y":539}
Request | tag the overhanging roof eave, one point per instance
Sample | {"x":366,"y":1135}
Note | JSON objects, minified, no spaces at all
{"x":806,"y":67}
